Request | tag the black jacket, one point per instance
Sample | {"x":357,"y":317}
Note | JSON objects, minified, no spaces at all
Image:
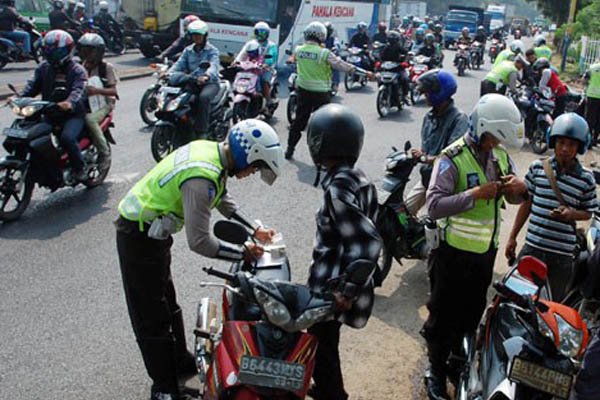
{"x":394,"y":52}
{"x":380,"y":37}
{"x":60,"y":20}
{"x":10,"y":19}
{"x":360,"y":40}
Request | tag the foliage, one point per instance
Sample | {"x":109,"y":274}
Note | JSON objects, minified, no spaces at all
{"x":558,"y":10}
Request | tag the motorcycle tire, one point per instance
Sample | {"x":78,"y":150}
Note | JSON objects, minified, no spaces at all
{"x":240,"y":111}
{"x":149,"y":51}
{"x":461,"y":68}
{"x":162,"y":142}
{"x":27,"y":185}
{"x":415,"y":95}
{"x":538,"y":141}
{"x":96,"y":176}
{"x":363,"y":82}
{"x":292,"y":106}
{"x":383,"y":106}
{"x":476,"y":63}
{"x":492,"y":60}
{"x":3,"y":62}
{"x":348,"y":81}
{"x":384,"y":265}
{"x":149,"y":105}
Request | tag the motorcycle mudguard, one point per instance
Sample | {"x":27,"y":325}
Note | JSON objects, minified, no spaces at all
{"x":506,"y":389}
{"x":164,"y":123}
{"x":12,"y":162}
{"x":241,"y":97}
{"x":391,"y":183}
{"x":382,"y":87}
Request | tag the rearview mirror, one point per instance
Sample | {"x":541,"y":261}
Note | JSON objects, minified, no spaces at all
{"x":11,"y":87}
{"x":230,"y":232}
{"x":359,"y":271}
{"x":407,"y":145}
{"x":533,"y":270}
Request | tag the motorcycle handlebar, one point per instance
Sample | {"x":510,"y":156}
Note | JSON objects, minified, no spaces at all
{"x":220,"y":274}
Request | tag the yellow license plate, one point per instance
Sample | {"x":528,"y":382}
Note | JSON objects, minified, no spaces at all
{"x":541,"y":378}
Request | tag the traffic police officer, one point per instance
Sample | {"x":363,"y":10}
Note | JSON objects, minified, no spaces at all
{"x":503,"y":75}
{"x":541,"y":49}
{"x":592,"y":107}
{"x":470,"y":183}
{"x":189,"y":182}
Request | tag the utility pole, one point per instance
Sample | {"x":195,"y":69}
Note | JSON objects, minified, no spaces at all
{"x":567,"y":41}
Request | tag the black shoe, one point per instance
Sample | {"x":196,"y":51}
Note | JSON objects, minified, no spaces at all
{"x":156,"y":395}
{"x":289,"y":154}
{"x":186,"y":366}
{"x":435,"y":385}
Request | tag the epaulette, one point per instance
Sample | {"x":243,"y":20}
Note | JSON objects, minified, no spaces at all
{"x":453,"y":151}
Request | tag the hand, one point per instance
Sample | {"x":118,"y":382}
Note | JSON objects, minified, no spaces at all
{"x":416,"y":153}
{"x":202,"y":80}
{"x":562,"y":213}
{"x":370,"y":76}
{"x":10,"y":100}
{"x":342,"y":303}
{"x":511,"y":185}
{"x":487,"y":191}
{"x":264,"y":235}
{"x":252,"y":251}
{"x":65,"y":106}
{"x":511,"y":249}
{"x":91,"y":90}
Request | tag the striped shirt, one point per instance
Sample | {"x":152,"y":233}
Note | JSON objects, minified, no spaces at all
{"x":578,"y":188}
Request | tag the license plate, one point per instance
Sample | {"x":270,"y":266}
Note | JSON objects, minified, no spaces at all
{"x":15,"y":133}
{"x":170,"y":90}
{"x":354,"y":59}
{"x":268,"y":372}
{"x":388,"y":75}
{"x":541,"y":378}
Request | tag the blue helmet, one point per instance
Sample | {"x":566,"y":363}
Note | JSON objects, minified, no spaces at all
{"x":420,"y":32}
{"x":424,"y":26}
{"x":572,"y":126}
{"x":440,"y":85}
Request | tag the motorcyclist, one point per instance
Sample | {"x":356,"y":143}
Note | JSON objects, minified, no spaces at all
{"x":262,"y":47}
{"x":481,"y":35}
{"x":59,"y":70}
{"x":498,"y":35}
{"x":592,"y":106}
{"x":550,"y":79}
{"x":60,"y":20}
{"x":437,"y":32}
{"x":79,"y":13}
{"x":360,"y":39}
{"x":395,"y":51}
{"x":180,"y":192}
{"x":443,"y":125}
{"x":504,"y":75}
{"x":332,"y":43}
{"x":105,"y":21}
{"x":382,"y":35}
{"x":516,"y":47}
{"x":541,"y":49}
{"x":431,"y":50}
{"x":101,"y":95}
{"x":208,"y":78}
{"x":70,"y":11}
{"x":406,"y":25}
{"x":9,"y":20}
{"x":464,"y":39}
{"x":419,"y":41}
{"x":173,"y":51}
{"x":470,"y":184}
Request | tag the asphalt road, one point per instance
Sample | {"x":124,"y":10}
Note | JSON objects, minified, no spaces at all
{"x":65,"y":332}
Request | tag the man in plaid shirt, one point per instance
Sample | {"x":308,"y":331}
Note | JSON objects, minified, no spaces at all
{"x":345,"y":233}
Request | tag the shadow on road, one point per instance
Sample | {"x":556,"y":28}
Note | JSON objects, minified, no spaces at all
{"x":306,"y":173}
{"x":49,"y":216}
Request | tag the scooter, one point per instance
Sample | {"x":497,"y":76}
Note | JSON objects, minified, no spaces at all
{"x":526,"y":346}
{"x":359,"y":58}
{"x":537,"y":109}
{"x":36,"y":156}
{"x":477,"y":54}
{"x":390,"y":93}
{"x":402,"y":233}
{"x":149,"y":102}
{"x":261,"y":350}
{"x":418,"y":66}
{"x":13,"y":52}
{"x":495,"y":48}
{"x":248,"y":100}
{"x":462,"y":58}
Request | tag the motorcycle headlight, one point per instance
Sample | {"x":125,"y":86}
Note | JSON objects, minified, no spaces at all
{"x":28,"y":111}
{"x":544,"y":328}
{"x":310,"y":317}
{"x":570,"y":338}
{"x":16,"y":110}
{"x":173,"y":104}
{"x":275,"y":311}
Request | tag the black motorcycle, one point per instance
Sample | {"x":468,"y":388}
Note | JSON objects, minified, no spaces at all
{"x":13,"y":52}
{"x":526,"y":346}
{"x":35,"y":155}
{"x":390,"y":94}
{"x":536,"y":108}
{"x":402,"y":233}
{"x":149,"y":102}
{"x":175,"y":125}
{"x":112,"y":35}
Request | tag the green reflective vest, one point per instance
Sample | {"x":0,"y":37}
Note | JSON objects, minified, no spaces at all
{"x":505,"y":55}
{"x":501,"y":72}
{"x":593,"y":88}
{"x":158,"y":193}
{"x":543,"y":51}
{"x":314,"y":72}
{"x":477,"y":229}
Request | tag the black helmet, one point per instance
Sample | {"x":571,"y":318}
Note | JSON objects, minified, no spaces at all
{"x":334,"y":131}
{"x":572,"y":126}
{"x":329,"y":27}
{"x":540,"y":64}
{"x":394,"y":37}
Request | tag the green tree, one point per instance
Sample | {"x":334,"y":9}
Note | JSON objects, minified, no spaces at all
{"x":558,"y":10}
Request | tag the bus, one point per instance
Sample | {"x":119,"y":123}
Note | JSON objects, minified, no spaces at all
{"x":231,"y":21}
{"x":37,"y":9}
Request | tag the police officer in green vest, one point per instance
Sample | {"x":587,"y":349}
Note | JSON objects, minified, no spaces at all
{"x":541,"y":49}
{"x":314,"y":63}
{"x":592,"y":107}
{"x":506,"y":74}
{"x":470,"y":183}
{"x":516,"y":47}
{"x":184,"y":187}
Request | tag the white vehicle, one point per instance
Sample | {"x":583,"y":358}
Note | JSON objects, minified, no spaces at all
{"x":416,"y":8}
{"x":231,"y":22}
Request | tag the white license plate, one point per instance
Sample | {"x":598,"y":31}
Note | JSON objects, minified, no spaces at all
{"x":16,"y":133}
{"x":388,"y":75}
{"x":170,"y":90}
{"x":268,"y":372}
{"x":541,"y":378}
{"x":354,"y":59}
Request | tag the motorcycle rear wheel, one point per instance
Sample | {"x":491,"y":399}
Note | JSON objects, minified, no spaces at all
{"x":415,"y":95}
{"x":8,"y":185}
{"x":240,"y":111}
{"x":292,"y":106}
{"x":148,"y":105}
{"x":383,"y":104}
{"x":162,"y":142}
{"x":95,"y":176}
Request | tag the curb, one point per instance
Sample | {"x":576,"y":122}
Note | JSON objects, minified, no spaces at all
{"x":126,"y":75}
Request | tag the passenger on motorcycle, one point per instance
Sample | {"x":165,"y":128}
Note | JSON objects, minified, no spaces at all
{"x":504,"y":75}
{"x":469,"y":186}
{"x":181,"y":42}
{"x":70,"y":11}
{"x":551,"y":235}
{"x":481,"y":35}
{"x":345,"y":232}
{"x":382,"y":34}
{"x":332,"y":43}
{"x":208,"y":78}
{"x":419,"y":41}
{"x":105,"y":21}
{"x":443,"y":125}
{"x":516,"y":47}
{"x":180,"y":192}
{"x":261,"y":46}
{"x":498,"y":35}
{"x":79,"y":13}
{"x":431,"y":50}
{"x":395,"y":51}
{"x":360,"y":39}
{"x":59,"y":70}
{"x":437,"y":32}
{"x":101,"y":91}
{"x":9,"y":20}
{"x":60,"y":20}
{"x":549,"y":79}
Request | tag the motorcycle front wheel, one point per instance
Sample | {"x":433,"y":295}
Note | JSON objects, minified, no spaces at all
{"x":383,"y":103}
{"x":348,"y":80}
{"x":415,"y":95}
{"x":292,"y":106}
{"x":148,"y":106}
{"x":476,"y":62}
{"x":162,"y":142}
{"x":461,"y":67}
{"x":16,"y":189}
{"x":538,"y":141}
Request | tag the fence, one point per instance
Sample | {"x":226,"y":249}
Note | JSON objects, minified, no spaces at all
{"x":590,"y":53}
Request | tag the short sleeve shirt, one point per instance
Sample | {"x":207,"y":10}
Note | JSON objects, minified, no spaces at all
{"x":111,"y":80}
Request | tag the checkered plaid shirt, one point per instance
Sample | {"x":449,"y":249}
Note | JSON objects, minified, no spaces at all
{"x":346,"y":232}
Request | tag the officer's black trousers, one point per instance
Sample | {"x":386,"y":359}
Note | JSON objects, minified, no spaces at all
{"x":307,"y":103}
{"x":592,"y":115}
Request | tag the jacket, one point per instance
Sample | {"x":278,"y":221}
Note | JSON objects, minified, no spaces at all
{"x":190,"y":60}
{"x":10,"y":19}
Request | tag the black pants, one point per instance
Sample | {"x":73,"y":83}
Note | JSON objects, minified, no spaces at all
{"x":150,"y":294}
{"x":560,"y":103}
{"x":487,"y":87}
{"x":560,"y":269}
{"x":327,"y":375}
{"x":457,"y":300}
{"x":592,"y":115}
{"x":202,"y":106}
{"x":307,"y":103}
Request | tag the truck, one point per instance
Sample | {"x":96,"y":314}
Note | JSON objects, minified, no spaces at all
{"x":478,"y":10}
{"x":521,"y":23}
{"x":415,"y":8}
{"x":498,"y":16}
{"x":456,"y":20}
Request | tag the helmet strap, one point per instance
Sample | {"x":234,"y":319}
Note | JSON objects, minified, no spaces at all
{"x":229,"y":155}
{"x":318,"y":176}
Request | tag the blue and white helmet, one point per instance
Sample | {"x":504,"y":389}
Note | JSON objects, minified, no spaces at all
{"x":255,"y":143}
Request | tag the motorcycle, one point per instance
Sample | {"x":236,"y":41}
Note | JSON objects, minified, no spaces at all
{"x":149,"y":102}
{"x":526,"y":346}
{"x":477,"y":54}
{"x":390,"y":93}
{"x":36,"y":156}
{"x":359,"y":58}
{"x":462,"y":58}
{"x":113,"y":37}
{"x":517,"y":34}
{"x":418,"y":66}
{"x":575,"y":102}
{"x":175,"y":124}
{"x":536,"y":109}
{"x":269,"y":315}
{"x":13,"y":52}
{"x":248,"y":100}
{"x":402,"y":233}
{"x":376,"y":49}
{"x":495,"y":48}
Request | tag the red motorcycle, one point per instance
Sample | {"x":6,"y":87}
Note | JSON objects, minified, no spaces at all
{"x":495,"y":48}
{"x":418,"y":66}
{"x":462,"y":58}
{"x":262,"y":350}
